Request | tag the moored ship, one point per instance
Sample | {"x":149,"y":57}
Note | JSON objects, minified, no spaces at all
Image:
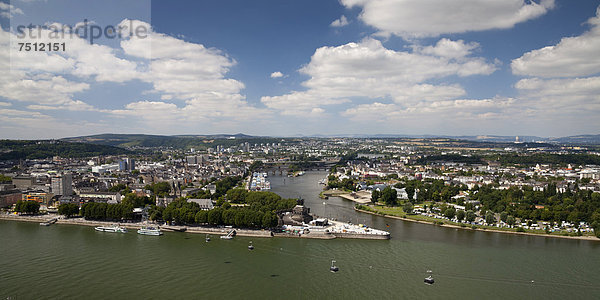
{"x":149,"y":230}
{"x":111,"y":228}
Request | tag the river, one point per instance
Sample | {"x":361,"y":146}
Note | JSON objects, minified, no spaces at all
{"x":66,"y":261}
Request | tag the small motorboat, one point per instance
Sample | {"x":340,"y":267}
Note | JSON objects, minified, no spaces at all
{"x":250,"y":247}
{"x":429,"y":280}
{"x":333,"y":267}
{"x":207,"y":239}
{"x":229,"y":235}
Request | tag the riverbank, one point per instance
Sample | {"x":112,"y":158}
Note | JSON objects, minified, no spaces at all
{"x":138,"y":225}
{"x":259,"y":233}
{"x":360,"y":197}
{"x":586,"y":238}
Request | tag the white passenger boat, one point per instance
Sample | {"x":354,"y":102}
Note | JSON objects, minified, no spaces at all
{"x":111,"y":228}
{"x":147,"y":230}
{"x":229,"y":235}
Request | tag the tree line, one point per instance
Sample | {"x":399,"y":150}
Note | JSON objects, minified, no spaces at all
{"x":259,"y":210}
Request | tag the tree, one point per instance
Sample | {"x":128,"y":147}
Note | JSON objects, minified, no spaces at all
{"x":389,"y":196}
{"x":160,"y":189}
{"x":201,"y":217}
{"x":510,"y":220}
{"x":503,"y":216}
{"x":68,"y":209}
{"x":470,"y":217}
{"x":27,"y":207}
{"x":237,"y":195}
{"x":450,"y":212}
{"x":410,"y":191}
{"x":136,"y":201}
{"x":407,"y":207}
{"x":490,"y":218}
{"x":460,"y":215}
{"x":374,"y":196}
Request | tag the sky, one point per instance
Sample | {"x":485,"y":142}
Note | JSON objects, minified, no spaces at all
{"x":292,"y":68}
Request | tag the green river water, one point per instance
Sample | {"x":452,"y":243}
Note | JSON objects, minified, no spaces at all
{"x":66,"y":262}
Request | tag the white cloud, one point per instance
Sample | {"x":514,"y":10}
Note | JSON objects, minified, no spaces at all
{"x":418,"y":18}
{"x":71,"y":105}
{"x":276,"y":74}
{"x":448,"y":48}
{"x":369,"y":70}
{"x":45,"y":89}
{"x":577,"y":95}
{"x":572,"y":56}
{"x":178,"y":71}
{"x":8,"y":10}
{"x":341,"y":22}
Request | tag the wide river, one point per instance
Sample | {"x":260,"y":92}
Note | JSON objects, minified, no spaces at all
{"x":66,"y":261}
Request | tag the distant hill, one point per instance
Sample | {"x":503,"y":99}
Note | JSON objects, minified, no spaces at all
{"x":205,"y":141}
{"x":17,"y":149}
{"x":173,"y":141}
{"x":579,"y":139}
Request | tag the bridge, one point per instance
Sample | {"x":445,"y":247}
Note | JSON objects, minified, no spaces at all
{"x":282,"y":167}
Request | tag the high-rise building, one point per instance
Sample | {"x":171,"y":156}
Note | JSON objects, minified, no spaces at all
{"x":62,"y":184}
{"x":122,"y":165}
{"x":127,"y":164}
{"x":191,"y":160}
{"x":130,"y":164}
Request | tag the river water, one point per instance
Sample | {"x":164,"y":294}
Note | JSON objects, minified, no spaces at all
{"x":66,"y":261}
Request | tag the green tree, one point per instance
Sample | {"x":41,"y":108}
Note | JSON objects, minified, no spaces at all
{"x":408,"y":207}
{"x":510,"y":220}
{"x":389,"y":196}
{"x":460,"y":214}
{"x":504,"y":216}
{"x":450,"y":212}
{"x":489,"y":218}
{"x":237,"y":195}
{"x":470,"y":217}
{"x":374,"y":196}
{"x":410,"y":191}
{"x":27,"y":207}
{"x":68,"y":209}
{"x":202,"y":217}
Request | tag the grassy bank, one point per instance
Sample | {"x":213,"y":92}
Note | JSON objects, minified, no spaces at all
{"x":398,"y":213}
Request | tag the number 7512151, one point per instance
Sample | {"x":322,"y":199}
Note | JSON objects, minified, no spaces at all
{"x":42,"y":46}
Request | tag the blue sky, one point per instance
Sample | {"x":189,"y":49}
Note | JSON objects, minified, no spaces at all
{"x":464,"y":67}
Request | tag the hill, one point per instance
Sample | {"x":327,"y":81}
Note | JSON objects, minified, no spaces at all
{"x":18,"y":149}
{"x":174,"y":141}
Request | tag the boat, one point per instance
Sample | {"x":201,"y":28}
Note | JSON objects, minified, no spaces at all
{"x":250,"y":247}
{"x":429,"y":279}
{"x":149,"y":230}
{"x":49,"y":222}
{"x":229,"y":235}
{"x":111,"y":228}
{"x":333,"y":267}
{"x":207,"y":239}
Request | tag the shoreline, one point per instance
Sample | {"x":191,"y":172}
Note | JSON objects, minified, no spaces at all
{"x":190,"y":229}
{"x":258,"y":233}
{"x":583,"y":238}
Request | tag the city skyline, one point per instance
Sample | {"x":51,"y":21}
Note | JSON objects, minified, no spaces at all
{"x":317,"y":67}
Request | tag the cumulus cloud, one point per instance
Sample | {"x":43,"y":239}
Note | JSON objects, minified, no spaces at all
{"x":276,"y":74}
{"x":418,"y":18}
{"x":449,"y":48}
{"x":341,"y":22}
{"x":572,"y":56}
{"x":8,"y":10}
{"x":563,"y":86}
{"x":188,"y":74}
{"x":367,"y":69}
